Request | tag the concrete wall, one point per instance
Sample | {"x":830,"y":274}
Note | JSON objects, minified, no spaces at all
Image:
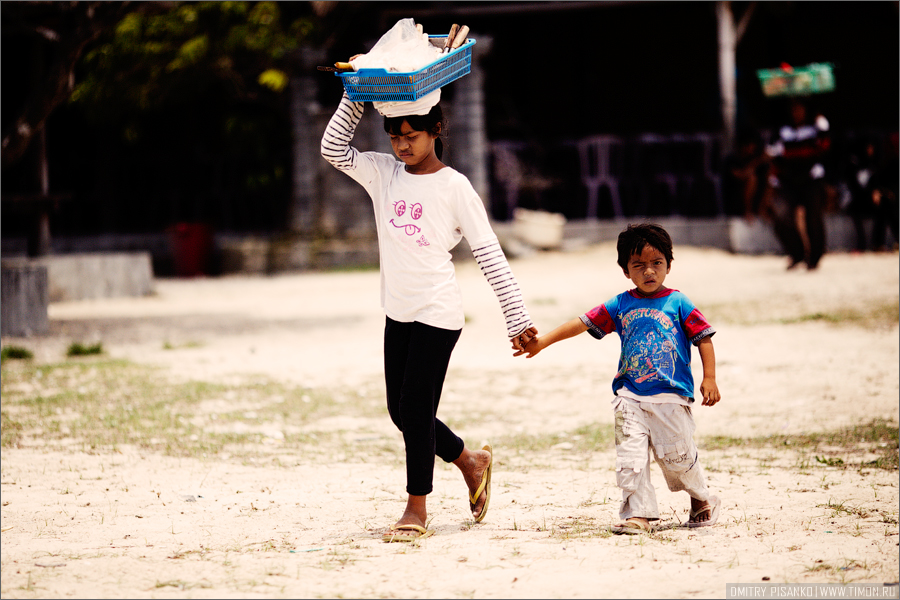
{"x":733,"y":234}
{"x":24,"y":296}
{"x":97,"y":275}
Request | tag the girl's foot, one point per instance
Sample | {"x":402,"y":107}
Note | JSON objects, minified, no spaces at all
{"x":415,"y":513}
{"x":473,"y":464}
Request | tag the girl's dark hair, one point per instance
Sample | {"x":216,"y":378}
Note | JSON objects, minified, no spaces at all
{"x":635,"y":237}
{"x":433,"y":123}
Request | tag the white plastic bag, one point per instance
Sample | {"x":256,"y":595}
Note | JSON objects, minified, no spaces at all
{"x":402,"y":50}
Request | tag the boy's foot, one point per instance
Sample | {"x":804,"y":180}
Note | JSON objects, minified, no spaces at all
{"x":633,"y":526}
{"x":704,"y":513}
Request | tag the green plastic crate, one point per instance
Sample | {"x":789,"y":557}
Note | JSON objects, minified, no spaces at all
{"x":815,"y":78}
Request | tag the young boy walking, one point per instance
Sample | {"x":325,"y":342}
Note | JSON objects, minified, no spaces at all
{"x":653,"y":388}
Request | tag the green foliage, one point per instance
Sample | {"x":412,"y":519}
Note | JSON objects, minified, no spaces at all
{"x":273,"y":79}
{"x":15,"y":352}
{"x":169,"y":54}
{"x":188,"y":104}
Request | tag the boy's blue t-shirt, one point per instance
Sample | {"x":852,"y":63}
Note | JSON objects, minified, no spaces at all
{"x":656,"y":334}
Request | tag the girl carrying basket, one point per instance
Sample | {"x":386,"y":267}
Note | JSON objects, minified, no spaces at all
{"x":423,"y":208}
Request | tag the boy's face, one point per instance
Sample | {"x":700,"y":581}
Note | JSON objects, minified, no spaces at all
{"x":648,"y":270}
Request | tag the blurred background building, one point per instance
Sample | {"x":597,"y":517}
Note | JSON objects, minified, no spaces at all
{"x":190,"y":130}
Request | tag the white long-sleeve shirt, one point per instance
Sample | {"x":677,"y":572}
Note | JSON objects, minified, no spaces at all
{"x":419,"y":219}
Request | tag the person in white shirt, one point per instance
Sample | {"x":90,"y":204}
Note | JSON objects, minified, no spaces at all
{"x":423,"y":208}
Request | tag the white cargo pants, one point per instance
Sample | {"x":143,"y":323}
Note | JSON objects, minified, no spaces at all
{"x":668,"y":430}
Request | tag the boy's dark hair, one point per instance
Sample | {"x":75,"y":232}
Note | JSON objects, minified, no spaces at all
{"x":433,"y":123}
{"x":635,"y":237}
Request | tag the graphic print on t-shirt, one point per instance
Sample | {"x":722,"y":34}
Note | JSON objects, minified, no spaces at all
{"x":650,"y":346}
{"x":409,"y":228}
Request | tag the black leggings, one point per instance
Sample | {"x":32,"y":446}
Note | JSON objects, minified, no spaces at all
{"x":416,"y":357}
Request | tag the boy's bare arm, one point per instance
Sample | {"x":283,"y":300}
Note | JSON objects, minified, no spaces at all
{"x":563,"y":332}
{"x":708,"y":386}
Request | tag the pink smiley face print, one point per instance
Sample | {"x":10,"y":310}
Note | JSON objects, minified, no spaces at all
{"x":415,"y":211}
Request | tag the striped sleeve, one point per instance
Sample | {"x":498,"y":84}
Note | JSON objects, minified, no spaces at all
{"x":336,"y":147}
{"x":495,"y":268}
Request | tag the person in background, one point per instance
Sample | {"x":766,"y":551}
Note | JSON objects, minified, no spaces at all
{"x":798,"y":158}
{"x":872,"y":179}
{"x":747,"y":178}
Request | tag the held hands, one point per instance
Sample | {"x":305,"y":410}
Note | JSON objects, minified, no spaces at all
{"x":531,"y":347}
{"x":710,"y":391}
{"x":520,"y":341}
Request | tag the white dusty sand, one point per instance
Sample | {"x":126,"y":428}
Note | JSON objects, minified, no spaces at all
{"x":115,"y":524}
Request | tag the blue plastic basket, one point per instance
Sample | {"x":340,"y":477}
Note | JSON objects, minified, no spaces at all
{"x":380,"y":85}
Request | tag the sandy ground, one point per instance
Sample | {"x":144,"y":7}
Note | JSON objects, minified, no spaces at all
{"x":119,"y":524}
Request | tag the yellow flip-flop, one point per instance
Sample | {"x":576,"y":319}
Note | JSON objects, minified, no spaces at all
{"x":485,"y":488}
{"x":406,"y":533}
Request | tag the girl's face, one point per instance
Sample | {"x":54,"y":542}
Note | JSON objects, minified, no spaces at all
{"x":648,"y":270}
{"x":415,"y":148}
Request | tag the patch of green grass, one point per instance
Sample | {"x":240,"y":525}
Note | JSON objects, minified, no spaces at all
{"x":878,"y":315}
{"x":170,"y":346}
{"x":79,"y":349}
{"x":10,"y":431}
{"x":878,"y":436}
{"x":357,"y":268}
{"x":15,"y":352}
{"x":589,"y":438}
{"x":819,"y":566}
{"x":841,"y":507}
{"x":98,"y":404}
{"x":875,"y":316}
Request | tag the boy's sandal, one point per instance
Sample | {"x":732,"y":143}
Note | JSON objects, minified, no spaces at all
{"x":631,"y":528}
{"x":712,"y":507}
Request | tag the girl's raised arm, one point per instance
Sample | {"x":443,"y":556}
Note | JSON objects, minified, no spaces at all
{"x":336,"y":147}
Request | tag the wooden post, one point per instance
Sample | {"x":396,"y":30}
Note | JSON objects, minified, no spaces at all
{"x":727,"y":85}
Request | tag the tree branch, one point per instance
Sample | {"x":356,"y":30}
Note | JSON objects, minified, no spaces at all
{"x":90,"y":21}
